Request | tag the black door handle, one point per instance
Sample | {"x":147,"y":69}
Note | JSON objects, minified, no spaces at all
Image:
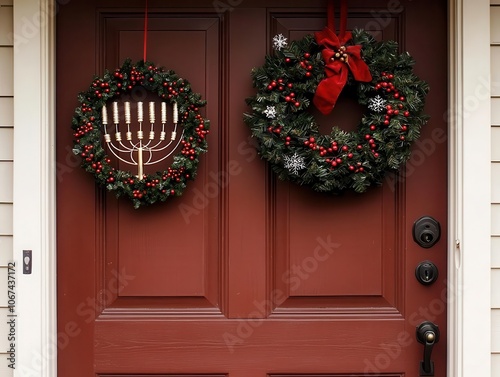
{"x":428,"y":335}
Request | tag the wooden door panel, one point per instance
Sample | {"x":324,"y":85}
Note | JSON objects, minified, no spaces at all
{"x":171,"y":254}
{"x":236,"y":346}
{"x":358,"y":273}
{"x":320,"y":264}
{"x":245,"y":275}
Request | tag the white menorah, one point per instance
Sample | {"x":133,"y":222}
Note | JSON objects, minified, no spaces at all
{"x":138,"y":146}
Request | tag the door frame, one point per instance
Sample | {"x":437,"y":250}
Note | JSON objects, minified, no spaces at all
{"x":469,"y":178}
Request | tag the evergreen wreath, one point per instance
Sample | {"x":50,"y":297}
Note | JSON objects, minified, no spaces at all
{"x":88,"y":132}
{"x":288,"y":136}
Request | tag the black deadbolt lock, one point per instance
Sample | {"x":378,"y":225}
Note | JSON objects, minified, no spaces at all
{"x":426,"y":231}
{"x":426,"y":272}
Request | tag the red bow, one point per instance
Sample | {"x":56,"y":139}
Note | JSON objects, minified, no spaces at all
{"x":338,"y":60}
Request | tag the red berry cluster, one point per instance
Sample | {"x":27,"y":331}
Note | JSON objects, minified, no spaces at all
{"x":152,"y":70}
{"x":119,"y":76}
{"x":306,"y":64}
{"x":87,"y":154}
{"x":97,"y":166}
{"x":386,"y":84}
{"x":311,"y":143}
{"x":138,"y":194}
{"x":173,"y":89}
{"x":275,"y":129}
{"x":371,"y":144}
{"x":135,"y":77}
{"x":84,"y":129}
{"x":357,"y":168}
{"x":175,"y":174}
{"x":335,"y":152}
{"x":201,"y":131}
{"x":190,"y":108}
{"x":280,"y":85}
{"x":100,"y":87}
{"x":111,"y":177}
{"x":188,"y":150}
{"x":86,"y":109}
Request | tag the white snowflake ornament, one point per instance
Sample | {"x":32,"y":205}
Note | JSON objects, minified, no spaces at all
{"x":294,"y":163}
{"x":377,"y":104}
{"x":279,"y":42}
{"x":270,"y":112}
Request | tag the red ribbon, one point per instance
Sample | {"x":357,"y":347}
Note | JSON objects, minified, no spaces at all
{"x":339,"y":59}
{"x":145,"y":30}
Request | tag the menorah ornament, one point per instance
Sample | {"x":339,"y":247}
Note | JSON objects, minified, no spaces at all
{"x":106,"y":145}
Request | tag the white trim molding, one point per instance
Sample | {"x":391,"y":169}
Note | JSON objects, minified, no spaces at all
{"x":34,"y":186}
{"x":469,"y":188}
{"x":469,"y":318}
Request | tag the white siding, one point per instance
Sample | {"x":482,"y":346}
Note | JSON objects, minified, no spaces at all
{"x":495,"y":187}
{"x":6,"y":169}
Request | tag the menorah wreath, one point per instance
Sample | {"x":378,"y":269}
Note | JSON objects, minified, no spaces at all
{"x":145,"y":144}
{"x":317,"y":69}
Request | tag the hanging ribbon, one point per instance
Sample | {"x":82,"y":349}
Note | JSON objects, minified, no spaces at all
{"x":145,"y":31}
{"x":339,"y":59}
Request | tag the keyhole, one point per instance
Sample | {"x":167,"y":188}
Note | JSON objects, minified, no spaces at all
{"x":426,"y":272}
{"x":426,"y":237}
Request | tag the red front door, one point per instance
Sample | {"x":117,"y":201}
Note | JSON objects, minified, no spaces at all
{"x":245,"y":275}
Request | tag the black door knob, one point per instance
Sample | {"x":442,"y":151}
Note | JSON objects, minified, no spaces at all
{"x":428,"y":335}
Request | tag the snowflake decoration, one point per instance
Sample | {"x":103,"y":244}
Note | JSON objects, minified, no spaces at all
{"x":377,"y":104}
{"x":270,"y":112}
{"x":279,"y":42}
{"x":294,"y":163}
